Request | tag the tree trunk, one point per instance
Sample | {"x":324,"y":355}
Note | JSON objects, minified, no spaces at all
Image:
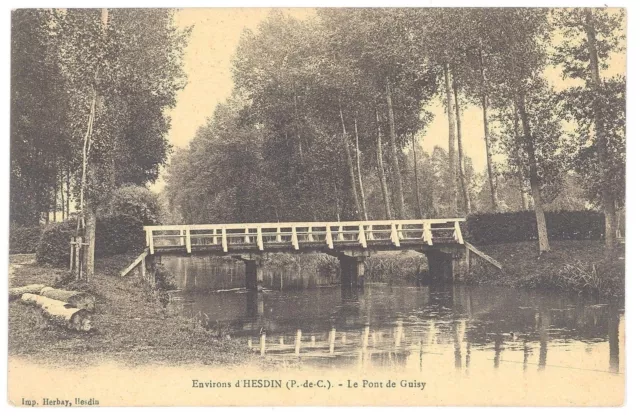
{"x":335,"y":189}
{"x":394,"y":154}
{"x":68,"y":191}
{"x":90,"y":239}
{"x":17,"y":292}
{"x":55,"y":198}
{"x":61,"y":195}
{"x":87,"y":209}
{"x":487,"y":136}
{"x":352,"y":176}
{"x":523,"y":194}
{"x":453,"y":191}
{"x":415,"y":175}
{"x":78,"y":300}
{"x":543,"y":240}
{"x":461,"y":173}
{"x":381,"y":175}
{"x":524,"y":202}
{"x":58,"y":312}
{"x":362,"y":195}
{"x":297,"y":131}
{"x":608,"y":199}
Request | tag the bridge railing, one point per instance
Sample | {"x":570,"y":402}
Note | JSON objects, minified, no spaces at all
{"x":247,"y":236}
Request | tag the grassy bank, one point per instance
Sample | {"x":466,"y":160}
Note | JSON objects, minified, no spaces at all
{"x":132,"y":326}
{"x":579,"y":266}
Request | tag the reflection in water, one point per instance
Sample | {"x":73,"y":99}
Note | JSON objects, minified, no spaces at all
{"x":307,"y":317}
{"x":543,"y":329}
{"x":614,"y":346}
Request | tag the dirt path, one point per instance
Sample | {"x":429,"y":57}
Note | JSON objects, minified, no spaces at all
{"x":16,"y":262}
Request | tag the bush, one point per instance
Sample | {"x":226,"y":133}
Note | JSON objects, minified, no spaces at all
{"x":114,"y":235}
{"x":53,"y":247}
{"x":165,"y":280}
{"x":482,"y":229}
{"x":136,"y":201}
{"x":24,"y":240}
{"x":119,"y":234}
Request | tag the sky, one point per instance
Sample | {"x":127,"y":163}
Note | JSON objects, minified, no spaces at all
{"x":215,"y":35}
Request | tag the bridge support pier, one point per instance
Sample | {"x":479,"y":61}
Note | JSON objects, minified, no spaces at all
{"x":253,"y":270}
{"x":254,"y":276}
{"x":447,"y":266}
{"x":352,"y":270}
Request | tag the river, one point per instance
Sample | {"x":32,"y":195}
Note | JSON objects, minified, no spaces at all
{"x":396,"y":325}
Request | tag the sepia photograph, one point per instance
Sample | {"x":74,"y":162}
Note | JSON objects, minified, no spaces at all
{"x":374,"y":206}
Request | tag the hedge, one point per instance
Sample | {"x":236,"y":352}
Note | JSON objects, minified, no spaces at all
{"x":521,"y":226}
{"x":114,"y":235}
{"x":24,"y":240}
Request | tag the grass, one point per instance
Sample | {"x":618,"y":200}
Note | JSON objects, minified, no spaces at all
{"x":132,"y":326}
{"x":580,"y":266}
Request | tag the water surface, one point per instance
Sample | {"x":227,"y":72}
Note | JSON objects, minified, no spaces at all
{"x":396,"y":325}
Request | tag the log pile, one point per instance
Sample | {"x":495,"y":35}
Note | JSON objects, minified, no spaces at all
{"x":68,"y":309}
{"x":78,"y":300}
{"x":17,"y":292}
{"x":60,"y":313}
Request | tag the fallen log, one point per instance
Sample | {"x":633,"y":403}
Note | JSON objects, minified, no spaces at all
{"x":17,"y":292}
{"x":80,"y":300}
{"x":60,"y":313}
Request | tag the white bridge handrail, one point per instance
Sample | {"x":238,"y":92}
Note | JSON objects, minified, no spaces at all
{"x":304,"y":232}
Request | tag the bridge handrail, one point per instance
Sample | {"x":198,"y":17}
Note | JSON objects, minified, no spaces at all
{"x":358,"y":231}
{"x":355,"y":223}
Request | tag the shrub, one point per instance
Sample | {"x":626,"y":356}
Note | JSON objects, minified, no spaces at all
{"x":165,"y":280}
{"x":114,"y":235}
{"x":24,"y":240}
{"x":136,"y":201}
{"x":53,"y":247}
{"x":118,"y":234}
{"x":497,"y":228}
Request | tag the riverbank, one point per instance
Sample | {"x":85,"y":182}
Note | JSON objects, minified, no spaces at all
{"x":132,"y":326}
{"x":577,"y":266}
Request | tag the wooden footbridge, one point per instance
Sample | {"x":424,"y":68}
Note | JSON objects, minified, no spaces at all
{"x":441,"y":240}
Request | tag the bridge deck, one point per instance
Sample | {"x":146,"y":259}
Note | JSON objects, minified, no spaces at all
{"x":313,"y":236}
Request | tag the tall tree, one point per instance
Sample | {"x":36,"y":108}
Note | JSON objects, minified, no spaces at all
{"x":591,"y":36}
{"x":453,"y":159}
{"x":520,"y":60}
{"x":461,"y":170}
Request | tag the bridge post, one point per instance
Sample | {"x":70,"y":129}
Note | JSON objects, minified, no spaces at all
{"x":447,"y":266}
{"x":352,"y":270}
{"x":253,"y":270}
{"x":440,"y":266}
{"x":254,"y":274}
